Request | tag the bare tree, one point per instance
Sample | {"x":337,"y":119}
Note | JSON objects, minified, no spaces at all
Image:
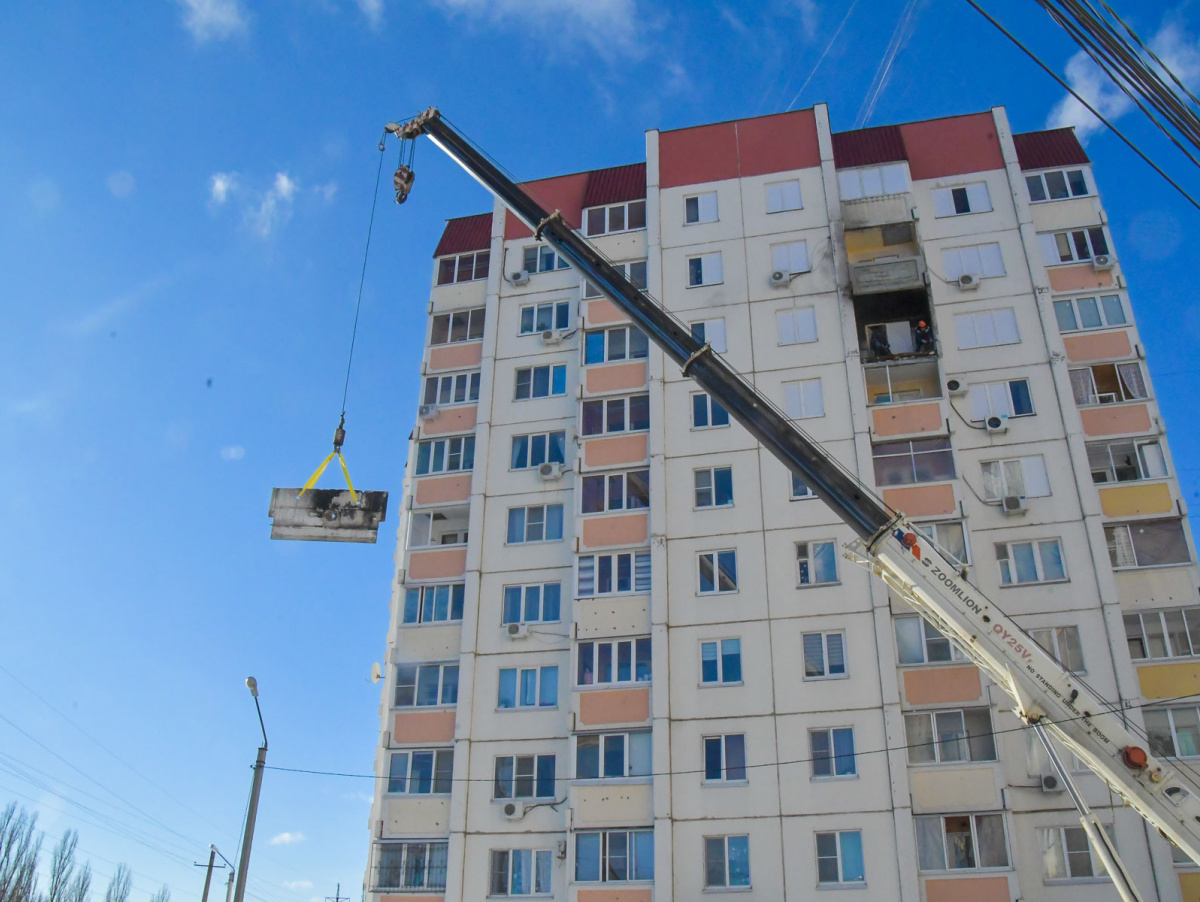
{"x":118,"y":887}
{"x":19,"y":852}
{"x":81,"y":885}
{"x":62,"y":867}
{"x":163,"y":895}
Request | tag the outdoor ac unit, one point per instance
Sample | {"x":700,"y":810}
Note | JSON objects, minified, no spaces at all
{"x":549,"y":470}
{"x":552,"y":337}
{"x":427,"y":411}
{"x":968,"y":281}
{"x":1012,"y":504}
{"x":996,"y":425}
{"x":780,"y":279}
{"x":956,"y":387}
{"x":1102,"y":262}
{"x":520,"y":277}
{"x":517,"y":630}
{"x":513,"y":811}
{"x":1051,"y":783}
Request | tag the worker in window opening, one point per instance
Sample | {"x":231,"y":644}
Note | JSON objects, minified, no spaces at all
{"x":880,"y":349}
{"x":923,"y":335}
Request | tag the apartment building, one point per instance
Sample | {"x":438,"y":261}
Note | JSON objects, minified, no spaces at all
{"x":627,"y":658}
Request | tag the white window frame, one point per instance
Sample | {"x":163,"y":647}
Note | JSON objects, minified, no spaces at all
{"x":446,"y":779}
{"x":447,"y":454}
{"x":1126,"y":392}
{"x":989,"y":394}
{"x":441,"y":684}
{"x":928,"y":634}
{"x":984,"y":261}
{"x":973,"y":197}
{"x":551,"y":368}
{"x":711,"y":271}
{"x":1052,"y":244}
{"x":1045,"y":188}
{"x":1035,"y":480}
{"x":534,"y":869}
{"x":523,"y":602}
{"x":530,"y":437}
{"x":631,"y":863}
{"x":804,"y":399}
{"x":801,"y":496}
{"x":428,"y":878}
{"x":634,"y":270}
{"x":470,"y":384}
{"x":796,"y":326}
{"x":539,"y":677}
{"x":873,"y":181}
{"x":831,"y":757}
{"x":933,"y":530}
{"x":510,"y":792}
{"x":546,"y":257}
{"x":556,"y":310}
{"x":1139,"y":460}
{"x":791,"y":257}
{"x":607,"y":483}
{"x":943,"y":740}
{"x":615,"y":656}
{"x":1112,"y":530}
{"x":639,"y":580}
{"x":1052,"y":841}
{"x":427,"y":603}
{"x":705,"y":205}
{"x":779,"y":196}
{"x":698,"y":476}
{"x":1039,"y":565}
{"x":722,"y":742}
{"x":1053,"y":641}
{"x":459,"y":260}
{"x":626,"y":740}
{"x":841,"y":881}
{"x":421,"y":531}
{"x":626,"y":402}
{"x":806,"y":553}
{"x":714,"y":559}
{"x":711,"y":331}
{"x":545,"y":509}
{"x":448,"y":320}
{"x":625,"y":207}
{"x":726,"y":885}
{"x":987,"y":329}
{"x":1165,"y":633}
{"x":976,"y":851}
{"x":720,"y":647}
{"x":1103,"y":311}
{"x":627,"y":351}
{"x":825,"y":636}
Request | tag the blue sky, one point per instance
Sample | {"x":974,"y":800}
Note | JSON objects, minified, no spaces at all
{"x":184,"y":190}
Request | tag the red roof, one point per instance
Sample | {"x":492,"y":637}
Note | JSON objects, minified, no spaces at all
{"x":1043,"y":150}
{"x":465,"y":234}
{"x":868,"y":147}
{"x":615,"y":185}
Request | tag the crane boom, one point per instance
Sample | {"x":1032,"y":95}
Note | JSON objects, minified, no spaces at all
{"x":888,"y":544}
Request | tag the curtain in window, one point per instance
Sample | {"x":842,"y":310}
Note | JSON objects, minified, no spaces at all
{"x":1083,"y":387}
{"x":1131,"y":380}
{"x":1120,"y":547}
{"x":931,"y":850}
{"x":1054,"y":865}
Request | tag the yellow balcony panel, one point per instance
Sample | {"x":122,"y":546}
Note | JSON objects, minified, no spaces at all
{"x":1131,"y":500}
{"x":935,"y":788}
{"x":611,"y":804}
{"x":1169,"y":680}
{"x":1189,"y":887}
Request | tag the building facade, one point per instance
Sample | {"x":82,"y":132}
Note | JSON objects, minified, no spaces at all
{"x":627,"y":658}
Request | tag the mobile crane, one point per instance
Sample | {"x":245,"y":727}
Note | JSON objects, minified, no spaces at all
{"x":1049,"y":699}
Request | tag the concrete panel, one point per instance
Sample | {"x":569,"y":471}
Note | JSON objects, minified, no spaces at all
{"x":614,"y":377}
{"x":438,"y":490}
{"x":1101,"y":346}
{"x":458,"y":356}
{"x":968,"y":787}
{"x":1156,"y":588}
{"x":922,"y":500}
{"x":620,"y":449}
{"x":598,"y":707}
{"x":612,"y":804}
{"x":410,"y":898}
{"x":639,"y":894}
{"x":603,"y":311}
{"x":1131,"y":500}
{"x":907,"y":419}
{"x":416,"y":816}
{"x":605,"y":618}
{"x":440,"y":564}
{"x":977,"y":889}
{"x":451,"y":419}
{"x":1169,"y":680}
{"x":942,"y":685}
{"x":1078,"y":278}
{"x":1115,"y":419}
{"x":409,"y":727}
{"x":628,"y":529}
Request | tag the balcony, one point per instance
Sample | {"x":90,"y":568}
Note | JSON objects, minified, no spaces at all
{"x":438,"y":528}
{"x":865,"y":212}
{"x":887,"y":274}
{"x":906,"y":378}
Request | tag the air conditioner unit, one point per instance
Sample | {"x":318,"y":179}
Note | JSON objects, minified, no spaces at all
{"x":517,"y":630}
{"x":427,"y":411}
{"x":956,"y":387}
{"x":968,"y":281}
{"x":996,"y":425}
{"x":1012,"y":504}
{"x":549,"y":471}
{"x":1102,"y":262}
{"x":780,"y":279}
{"x":552,"y":337}
{"x":1051,"y":783}
{"x":513,"y":811}
{"x":520,"y":277}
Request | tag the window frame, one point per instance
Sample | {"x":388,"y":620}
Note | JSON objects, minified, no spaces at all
{"x":719,"y":645}
{"x":709,"y":405}
{"x":525,"y":524}
{"x":535,"y":872}
{"x":465,"y":453}
{"x":727,"y":883}
{"x":402,"y":868}
{"x":997,"y":319}
{"x":826,"y":673}
{"x":542,"y":252}
{"x":553,"y":372}
{"x":798,"y":390}
{"x":634,"y":270}
{"x":1137,"y":460}
{"x":711,"y":332}
{"x":530,"y":439}
{"x":957,"y":262}
{"x":1099,"y":873}
{"x":941,"y":740}
{"x":1166,"y":633}
{"x":987,"y":394}
{"x":1039,"y":565}
{"x":705,"y":261}
{"x":955,"y":655}
{"x":604,"y":859}
{"x":706,"y":212}
{"x":625,"y":206}
{"x":625,"y":738}
{"x":560,"y":317}
{"x":975,"y":846}
{"x":937,"y":526}
{"x":718,"y":566}
{"x":518,"y":688}
{"x":473,"y":334}
{"x":627,"y":411}
{"x":1089,"y":250}
{"x":623,"y":500}
{"x":441,"y":778}
{"x":458,"y":267}
{"x":1125,"y":395}
{"x":471,"y":380}
{"x":1029,"y":486}
{"x":1112,"y":529}
{"x":1102,"y":311}
{"x":794,"y":329}
{"x":947,"y":200}
{"x":841,"y":866}
{"x":912,"y":455}
{"x":639,"y":580}
{"x":455,"y":598}
{"x":783,"y":199}
{"x":1168,"y":711}
{"x":1066,"y":174}
{"x":883,"y":171}
{"x":721,"y":742}
{"x":537,"y":779}
{"x":443,"y":685}
{"x":830,"y":756}
{"x":631,"y":336}
{"x":810,"y":557}
{"x":796,"y":253}
{"x":523,"y":602}
{"x":637,"y":645}
{"x":712,"y":487}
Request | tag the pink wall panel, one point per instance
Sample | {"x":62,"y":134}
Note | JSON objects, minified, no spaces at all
{"x":638,"y":894}
{"x":922,"y":500}
{"x":627,"y":529}
{"x":953,"y":146}
{"x":440,"y":563}
{"x":1079,"y":278}
{"x":1112,"y":419}
{"x":602,"y":310}
{"x":451,"y":419}
{"x":615,"y":377}
{"x":1102,"y":346}
{"x":605,"y":706}
{"x":976,"y":889}
{"x":909,"y":419}
{"x":620,"y":449}
{"x":456,"y":356}
{"x":942,"y":685}
{"x":440,"y":489}
{"x":423,"y":726}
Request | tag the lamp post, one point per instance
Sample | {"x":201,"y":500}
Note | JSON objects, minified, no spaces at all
{"x":259,"y":764}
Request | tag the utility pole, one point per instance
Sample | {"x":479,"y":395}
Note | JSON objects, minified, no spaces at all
{"x":212,"y":856}
{"x":337,"y":896}
{"x":244,"y":865}
{"x":229,"y":887}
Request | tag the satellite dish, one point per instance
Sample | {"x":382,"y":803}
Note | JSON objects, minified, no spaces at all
{"x":376,"y":672}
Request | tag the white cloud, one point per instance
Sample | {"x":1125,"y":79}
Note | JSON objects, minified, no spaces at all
{"x":221,"y":185}
{"x":121,"y":183}
{"x":326,"y":192}
{"x":286,"y":839}
{"x":212,"y":19}
{"x":275,"y":207}
{"x":298,"y":885}
{"x":613,"y":28}
{"x":372,"y":10}
{"x":237,"y":452}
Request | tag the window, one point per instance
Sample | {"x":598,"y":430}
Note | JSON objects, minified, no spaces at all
{"x":528,"y":687}
{"x":1030,"y":562}
{"x":840,"y":857}
{"x":1024,"y":477}
{"x":455,"y":388}
{"x":832,"y":752}
{"x":718,"y":572}
{"x":426,"y":685}
{"x":432,"y":528}
{"x":1001,"y":399}
{"x":447,"y":455}
{"x":434,"y":604}
{"x":711,"y":331}
{"x":958,"y":842}
{"x":721,"y":661}
{"x":1067,"y":854}
{"x":613,"y":756}
{"x":1078,"y":314}
{"x":816,"y":563}
{"x":726,"y":861}
{"x":1174,"y":633}
{"x":919,"y":642}
{"x":705,"y":270}
{"x":1147,"y":543}
{"x":1173,"y":732}
{"x":1108,"y":383}
{"x":944,"y":736}
{"x":631,"y":414}
{"x":707,"y":412}
{"x":537,"y":603}
{"x":800,"y":489}
{"x":634,"y":271}
{"x":784,"y":196}
{"x":824,"y":655}
{"x":986,"y":329}
{"x":714,"y":486}
{"x":700,"y":208}
{"x":616,"y":491}
{"x":614,"y":856}
{"x":537,"y":449}
{"x":541,"y":381}
{"x":965,"y":199}
{"x":983,"y":261}
{"x":615,"y":218}
{"x":524,"y":777}
{"x":421,"y":772}
{"x":617,"y":661}
{"x":542,"y":259}
{"x":1126,"y":460}
{"x":617,"y":343}
{"x":412,"y":865}
{"x":790,"y":258}
{"x":1076,"y":245}
{"x":536,"y":523}
{"x":1062,"y":644}
{"x":873,"y":181}
{"x":949,"y":536}
{"x":462,"y":325}
{"x":796,"y":325}
{"x":725,"y":758}
{"x":612,"y":574}
{"x":803,"y":399}
{"x":463,"y":268}
{"x":521,"y":872}
{"x":538,"y":318}
{"x":1057,"y":184}
{"x":918,"y":460}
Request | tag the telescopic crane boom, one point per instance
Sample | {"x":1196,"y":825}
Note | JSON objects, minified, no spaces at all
{"x":1047,"y":697}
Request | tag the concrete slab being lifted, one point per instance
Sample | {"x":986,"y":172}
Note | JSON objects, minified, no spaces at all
{"x":327,"y":515}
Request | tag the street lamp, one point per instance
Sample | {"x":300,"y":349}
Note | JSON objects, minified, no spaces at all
{"x":259,"y":764}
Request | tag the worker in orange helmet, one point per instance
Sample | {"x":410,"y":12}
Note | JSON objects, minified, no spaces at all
{"x":924,"y":337}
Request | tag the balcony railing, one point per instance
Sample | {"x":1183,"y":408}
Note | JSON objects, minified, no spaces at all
{"x":867,"y":212}
{"x":909,"y":378}
{"x":879,"y":276}
{"x":423,"y":871}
